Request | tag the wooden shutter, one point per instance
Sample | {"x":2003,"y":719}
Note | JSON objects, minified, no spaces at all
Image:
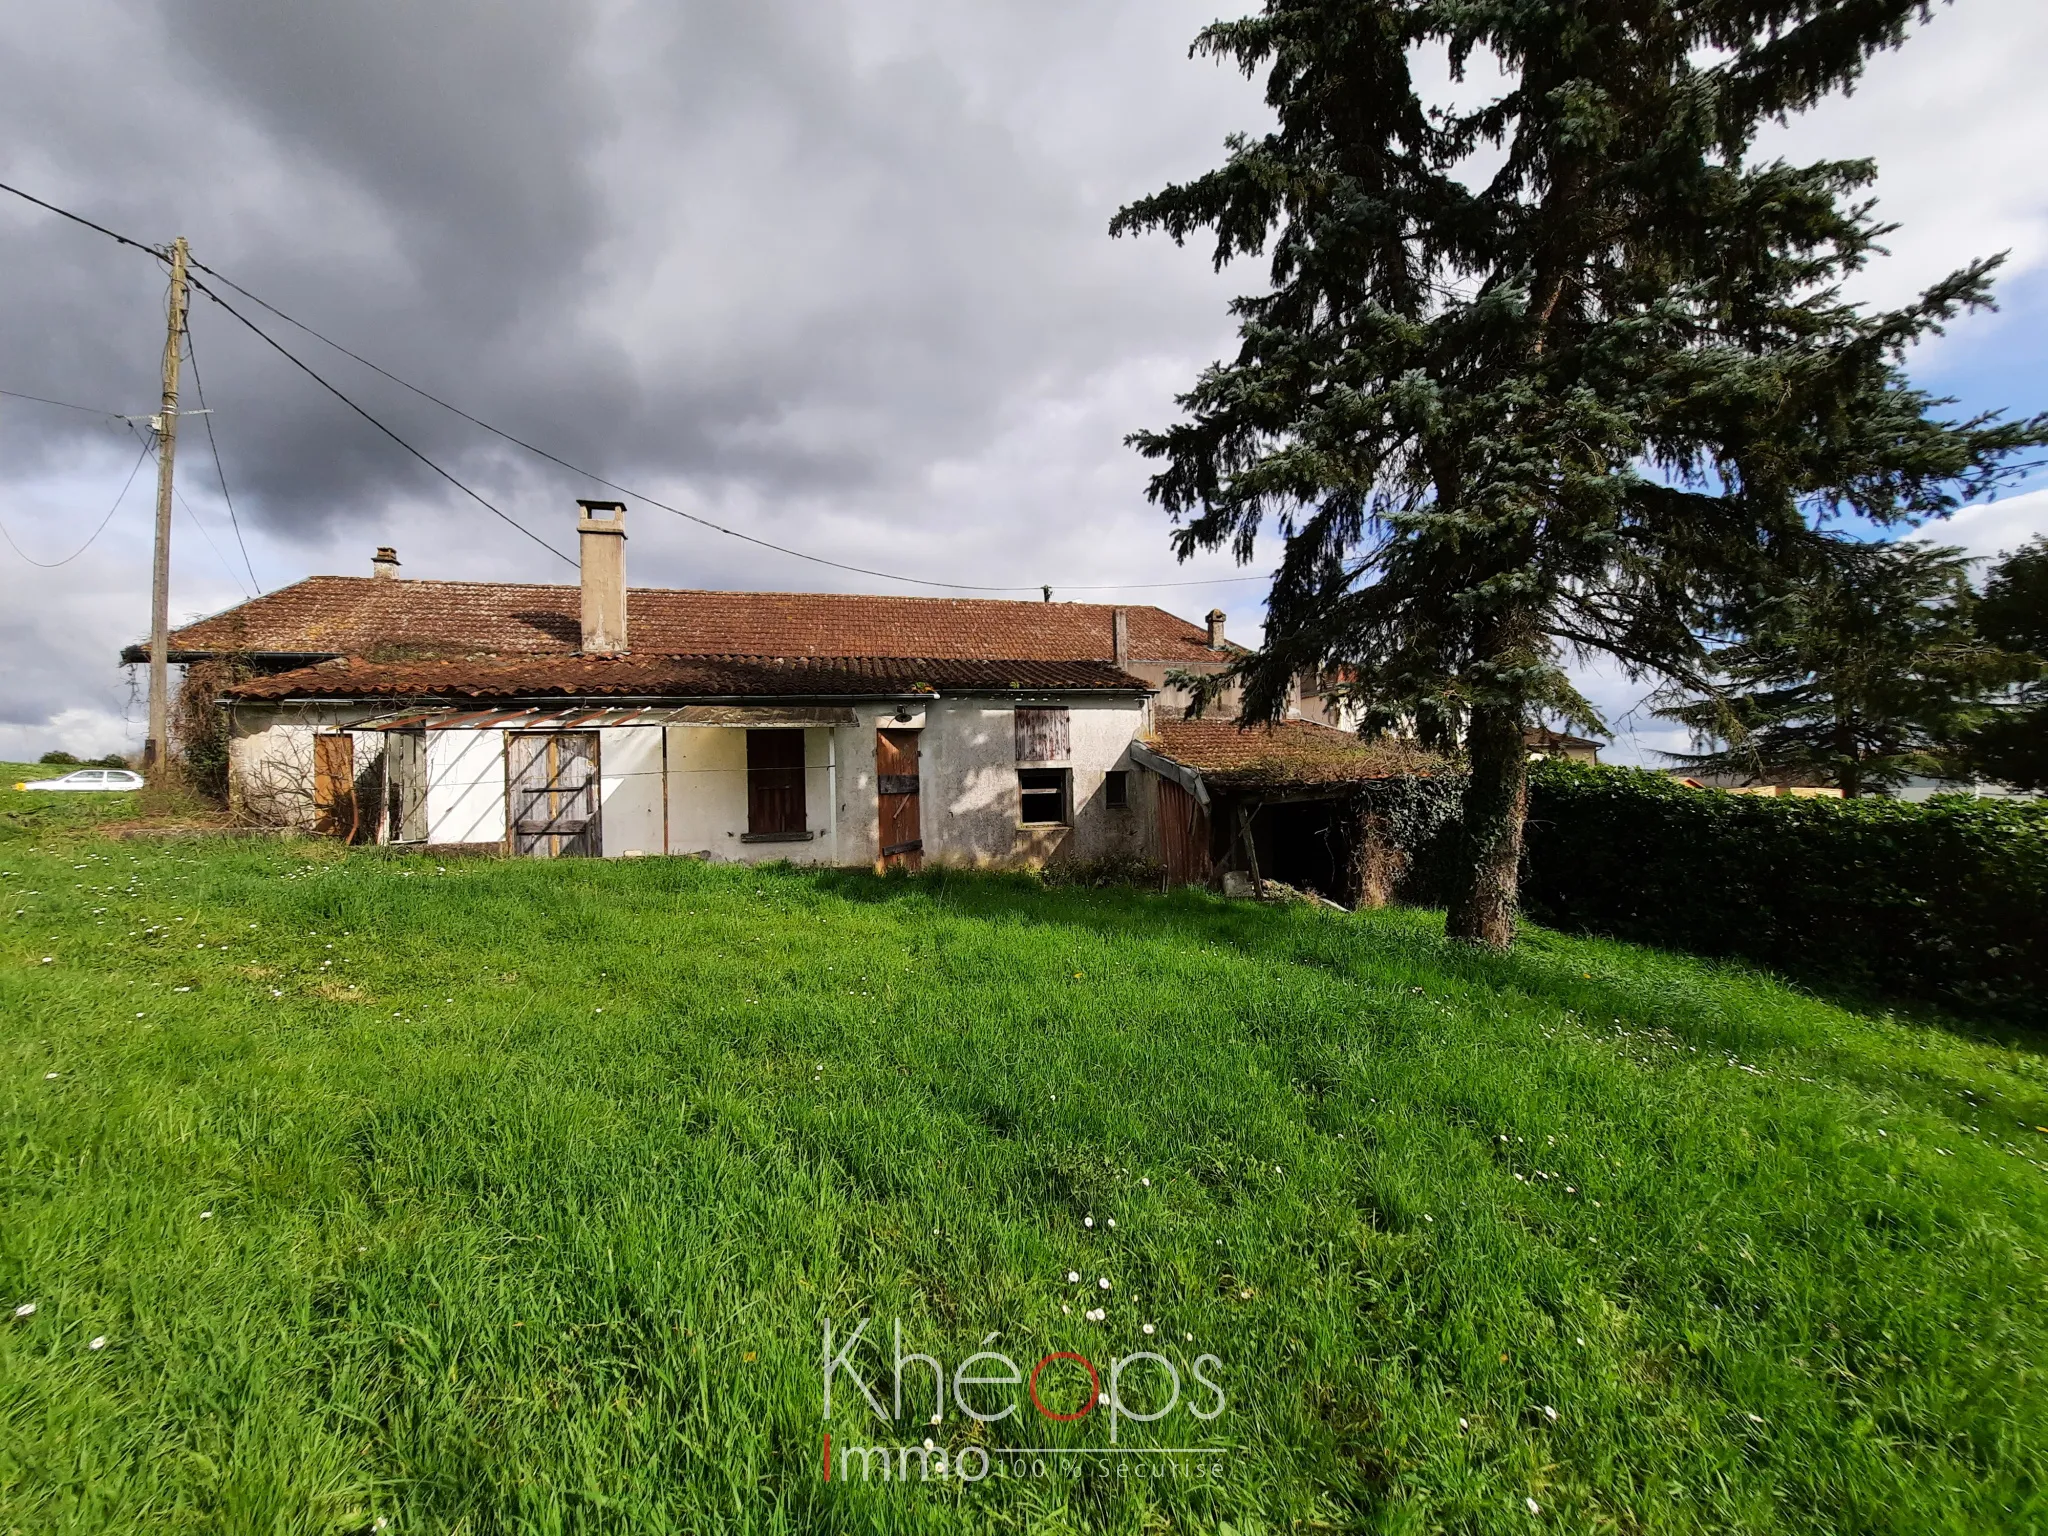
{"x":334,"y":785}
{"x":1042,"y":736}
{"x":775,"y":783}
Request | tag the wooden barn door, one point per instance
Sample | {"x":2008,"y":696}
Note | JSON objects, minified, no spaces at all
{"x":334,"y":785}
{"x":553,"y":782}
{"x":896,"y":790}
{"x":1183,"y":836}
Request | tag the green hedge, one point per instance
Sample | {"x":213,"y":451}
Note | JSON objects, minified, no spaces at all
{"x":1946,"y":900}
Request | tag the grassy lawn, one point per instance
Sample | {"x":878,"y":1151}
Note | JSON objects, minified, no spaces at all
{"x":479,"y":1196}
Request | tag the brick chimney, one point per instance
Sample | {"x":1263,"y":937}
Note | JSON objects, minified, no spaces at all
{"x":1216,"y":618}
{"x":601,"y":545}
{"x":1120,"y":637}
{"x":384,"y":564}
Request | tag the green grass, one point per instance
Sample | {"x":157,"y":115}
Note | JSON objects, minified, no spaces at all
{"x":480,"y":1196}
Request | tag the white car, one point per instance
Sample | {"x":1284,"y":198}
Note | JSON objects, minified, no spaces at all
{"x":90,"y":778}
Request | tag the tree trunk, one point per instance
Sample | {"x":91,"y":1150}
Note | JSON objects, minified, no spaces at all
{"x":1496,"y":799}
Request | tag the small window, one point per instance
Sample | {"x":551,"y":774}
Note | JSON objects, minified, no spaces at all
{"x":1042,"y":796}
{"x":1116,"y":789}
{"x":775,"y":784}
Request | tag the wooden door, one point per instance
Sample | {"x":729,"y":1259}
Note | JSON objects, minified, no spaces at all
{"x":334,"y":785}
{"x":405,"y":779}
{"x":552,"y":781}
{"x":896,"y":792}
{"x":1183,"y":835}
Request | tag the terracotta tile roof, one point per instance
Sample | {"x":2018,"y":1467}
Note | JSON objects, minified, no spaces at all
{"x":401,"y":620}
{"x":1543,"y":739}
{"x":680,"y":677}
{"x":1289,"y":752}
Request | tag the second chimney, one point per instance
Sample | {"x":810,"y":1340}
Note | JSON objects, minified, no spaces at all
{"x":601,"y":544}
{"x":1216,"y":617}
{"x":384,"y":564}
{"x":1120,"y":637}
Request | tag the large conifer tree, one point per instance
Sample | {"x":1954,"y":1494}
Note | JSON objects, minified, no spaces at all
{"x":1595,"y":401}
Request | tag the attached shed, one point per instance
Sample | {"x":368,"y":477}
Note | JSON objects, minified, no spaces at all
{"x":1286,"y":802}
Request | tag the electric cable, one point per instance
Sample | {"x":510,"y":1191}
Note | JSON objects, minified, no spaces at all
{"x":78,"y":218}
{"x":705,"y":522}
{"x":596,"y":479}
{"x":226,"y":565}
{"x":51,"y":565}
{"x":306,"y":369}
{"x":15,"y":394}
{"x":198,"y":388}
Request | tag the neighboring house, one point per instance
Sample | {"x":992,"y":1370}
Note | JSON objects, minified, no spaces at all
{"x":1784,"y":786}
{"x":1806,"y":784}
{"x":1920,"y":788}
{"x":1544,"y":743}
{"x":820,"y":728}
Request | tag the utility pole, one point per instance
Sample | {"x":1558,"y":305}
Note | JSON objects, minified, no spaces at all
{"x":156,"y":749}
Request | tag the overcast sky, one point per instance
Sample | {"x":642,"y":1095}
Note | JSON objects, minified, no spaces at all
{"x":833,"y":273}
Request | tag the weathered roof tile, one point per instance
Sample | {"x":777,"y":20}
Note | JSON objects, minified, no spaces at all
{"x":417,"y":620}
{"x":1289,"y":752}
{"x":680,"y":677}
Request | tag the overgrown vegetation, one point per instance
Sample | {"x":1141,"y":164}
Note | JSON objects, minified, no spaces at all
{"x":502,"y":1195}
{"x":200,"y":737}
{"x":1945,"y":900}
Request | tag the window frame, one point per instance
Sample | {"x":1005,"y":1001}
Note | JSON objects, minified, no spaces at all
{"x":1061,"y":782}
{"x":1116,"y":789}
{"x":787,"y":782}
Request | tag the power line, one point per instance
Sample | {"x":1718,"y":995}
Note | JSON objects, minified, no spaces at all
{"x":192,"y":517}
{"x":78,"y":218}
{"x":373,"y":421}
{"x":15,"y":394}
{"x":199,"y":389}
{"x":51,"y":565}
{"x":597,"y":479}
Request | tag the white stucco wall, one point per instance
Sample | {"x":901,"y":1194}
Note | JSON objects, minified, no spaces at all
{"x":968,"y":764}
{"x":630,"y":790}
{"x":967,"y":769}
{"x":466,"y":787}
{"x":270,"y":757}
{"x":707,"y":797}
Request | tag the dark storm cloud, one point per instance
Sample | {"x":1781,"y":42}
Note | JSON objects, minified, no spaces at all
{"x":833,"y":271}
{"x":707,"y":240}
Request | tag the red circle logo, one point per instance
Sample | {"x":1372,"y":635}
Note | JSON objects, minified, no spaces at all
{"x":1094,"y":1389}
